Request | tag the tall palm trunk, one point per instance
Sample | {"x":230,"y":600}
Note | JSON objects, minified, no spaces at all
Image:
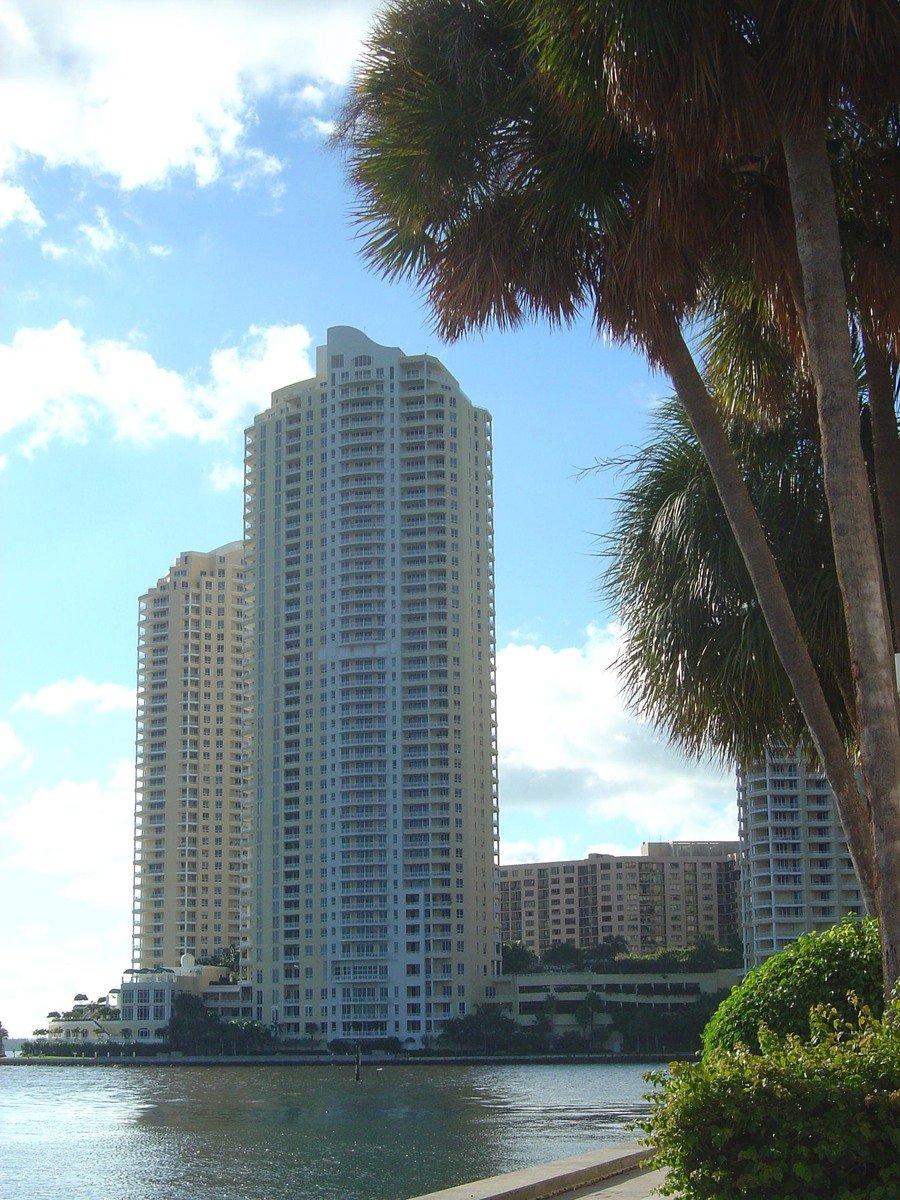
{"x":852,"y":520}
{"x":776,"y":606}
{"x":886,"y":452}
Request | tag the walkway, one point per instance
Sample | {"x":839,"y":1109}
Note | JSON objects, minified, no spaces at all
{"x":632,"y":1185}
{"x":614,"y":1173}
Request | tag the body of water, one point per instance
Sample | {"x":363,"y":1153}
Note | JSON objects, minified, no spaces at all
{"x":297,"y":1133}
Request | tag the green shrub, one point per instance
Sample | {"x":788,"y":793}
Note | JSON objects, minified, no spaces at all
{"x":820,"y":968}
{"x":803,"y":1120}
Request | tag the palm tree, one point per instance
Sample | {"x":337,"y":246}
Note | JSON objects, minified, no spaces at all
{"x":697,"y":657}
{"x":586,"y":1013}
{"x":713,"y":83}
{"x":508,"y":196}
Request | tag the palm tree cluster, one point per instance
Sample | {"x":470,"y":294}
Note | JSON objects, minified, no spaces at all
{"x":722,"y":166}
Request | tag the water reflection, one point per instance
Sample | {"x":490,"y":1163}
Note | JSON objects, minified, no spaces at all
{"x":236,"y":1133}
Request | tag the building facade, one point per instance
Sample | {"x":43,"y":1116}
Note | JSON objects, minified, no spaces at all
{"x":796,"y":872}
{"x":560,"y":994}
{"x":188,"y":870}
{"x":371,"y":765}
{"x":669,"y":895}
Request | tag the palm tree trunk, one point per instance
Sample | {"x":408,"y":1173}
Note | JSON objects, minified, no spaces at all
{"x":886,"y":447}
{"x":776,"y":607}
{"x":854,"y":535}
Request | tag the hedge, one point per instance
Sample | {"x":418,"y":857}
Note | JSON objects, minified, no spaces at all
{"x":819,"y":968}
{"x":802,"y":1120}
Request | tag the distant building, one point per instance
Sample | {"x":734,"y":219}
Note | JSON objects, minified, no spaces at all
{"x":145,"y":1002}
{"x":188,"y":869}
{"x":796,"y":872}
{"x":560,"y":994}
{"x":667,"y":896}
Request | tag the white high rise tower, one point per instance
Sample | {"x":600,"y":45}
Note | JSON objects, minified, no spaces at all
{"x":796,"y":873}
{"x":371,"y":767}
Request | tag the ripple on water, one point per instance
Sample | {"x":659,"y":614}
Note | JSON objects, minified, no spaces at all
{"x":248,"y":1133}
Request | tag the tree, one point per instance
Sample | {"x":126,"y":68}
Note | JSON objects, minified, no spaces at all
{"x":193,"y":1028}
{"x":696,"y":655}
{"x":527,"y":159}
{"x":517,"y":958}
{"x":586,"y":1014}
{"x":564,"y":954}
{"x":227,"y":957}
{"x":838,"y":967}
{"x":487,"y":1028}
{"x":711,"y":83}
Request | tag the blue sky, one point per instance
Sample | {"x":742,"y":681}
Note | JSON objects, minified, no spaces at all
{"x":177,"y":237}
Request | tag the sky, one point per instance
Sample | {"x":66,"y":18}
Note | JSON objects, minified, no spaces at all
{"x":176,"y":236}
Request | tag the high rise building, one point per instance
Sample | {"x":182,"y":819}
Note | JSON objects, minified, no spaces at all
{"x":796,"y":872}
{"x":667,"y":896}
{"x":372,"y":753}
{"x":188,"y":873}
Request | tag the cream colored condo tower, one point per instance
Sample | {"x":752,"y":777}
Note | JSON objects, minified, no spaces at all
{"x":188,"y":873}
{"x":372,"y":750}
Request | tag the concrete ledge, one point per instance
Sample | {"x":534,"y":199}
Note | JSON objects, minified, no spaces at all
{"x":551,"y":1179}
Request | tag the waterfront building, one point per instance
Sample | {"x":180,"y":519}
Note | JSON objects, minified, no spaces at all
{"x":796,"y":872}
{"x":668,"y":896}
{"x":371,"y":754}
{"x":188,"y":873}
{"x":141,"y":1009}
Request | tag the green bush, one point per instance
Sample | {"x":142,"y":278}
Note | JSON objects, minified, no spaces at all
{"x":803,"y":1120}
{"x":820,"y":968}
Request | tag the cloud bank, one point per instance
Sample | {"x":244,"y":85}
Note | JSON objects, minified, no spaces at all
{"x":64,"y":696}
{"x":62,"y":386}
{"x":140,"y":91}
{"x":566,"y":742}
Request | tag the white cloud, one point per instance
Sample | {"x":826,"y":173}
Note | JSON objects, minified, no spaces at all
{"x":61,"y":386}
{"x":555,"y":847}
{"x":57,"y":699}
{"x":66,"y":867}
{"x":54,"y":250}
{"x":566,"y":741}
{"x":17,"y":205}
{"x":97,"y":242}
{"x":544,"y":849}
{"x":324,"y":128}
{"x":225,"y":477}
{"x":13,"y":751}
{"x":82,"y":833}
{"x":79,"y":949}
{"x":102,"y":238}
{"x":141,"y":90}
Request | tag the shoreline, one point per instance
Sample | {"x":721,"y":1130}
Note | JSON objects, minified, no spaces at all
{"x":339,"y":1060}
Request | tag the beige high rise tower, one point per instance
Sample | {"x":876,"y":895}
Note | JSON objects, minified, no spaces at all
{"x":372,"y":771}
{"x":189,"y":798}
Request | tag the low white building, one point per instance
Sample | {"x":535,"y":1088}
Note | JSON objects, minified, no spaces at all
{"x":145,"y":1003}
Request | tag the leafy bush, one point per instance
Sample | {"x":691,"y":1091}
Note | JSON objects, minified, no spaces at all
{"x":803,"y":1120}
{"x":819,"y":968}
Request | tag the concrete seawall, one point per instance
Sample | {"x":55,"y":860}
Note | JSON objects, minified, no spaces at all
{"x":553,"y":1178}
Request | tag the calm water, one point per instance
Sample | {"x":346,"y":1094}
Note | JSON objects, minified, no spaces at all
{"x":310,"y":1133}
